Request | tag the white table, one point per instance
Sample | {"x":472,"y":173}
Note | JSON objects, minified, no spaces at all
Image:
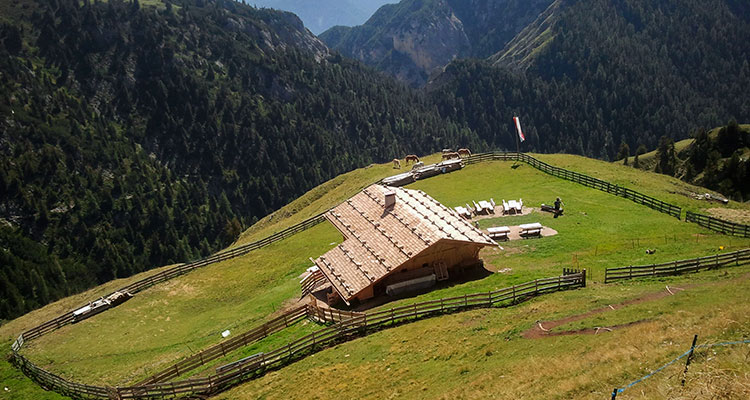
{"x":515,"y":206}
{"x":499,"y":232}
{"x":463,"y":212}
{"x":531,"y":229}
{"x":486,"y":205}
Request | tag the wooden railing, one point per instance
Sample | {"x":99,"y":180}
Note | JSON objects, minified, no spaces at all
{"x":718,"y":225}
{"x":740,"y":257}
{"x":213,"y":382}
{"x":227,"y":346}
{"x":311,"y":282}
{"x":343,"y":330}
{"x":582,"y":179}
{"x":179,"y":270}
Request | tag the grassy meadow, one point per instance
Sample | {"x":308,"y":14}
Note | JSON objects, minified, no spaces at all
{"x":181,"y":316}
{"x":477,"y":354}
{"x":481,"y":354}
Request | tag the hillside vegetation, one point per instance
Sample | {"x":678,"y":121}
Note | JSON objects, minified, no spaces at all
{"x":583,"y":76}
{"x":176,"y":319}
{"x":606,"y":72}
{"x":134,"y":136}
{"x":716,"y":159}
{"x":415,"y":38}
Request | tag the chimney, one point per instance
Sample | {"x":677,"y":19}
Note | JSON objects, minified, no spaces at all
{"x":390,"y":199}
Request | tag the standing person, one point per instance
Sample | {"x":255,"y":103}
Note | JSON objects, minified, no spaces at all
{"x":558,"y":207}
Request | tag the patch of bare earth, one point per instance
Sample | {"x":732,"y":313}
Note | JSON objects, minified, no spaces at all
{"x":544,"y":328}
{"x":728,"y":214}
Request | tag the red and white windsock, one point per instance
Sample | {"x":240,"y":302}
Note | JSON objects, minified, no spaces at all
{"x":518,"y":128}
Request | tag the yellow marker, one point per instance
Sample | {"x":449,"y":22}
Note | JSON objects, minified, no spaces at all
{"x":721,"y":247}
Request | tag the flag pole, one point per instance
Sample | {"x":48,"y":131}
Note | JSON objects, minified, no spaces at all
{"x":518,"y":144}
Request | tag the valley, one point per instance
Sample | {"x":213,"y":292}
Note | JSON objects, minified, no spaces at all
{"x":192,"y":199}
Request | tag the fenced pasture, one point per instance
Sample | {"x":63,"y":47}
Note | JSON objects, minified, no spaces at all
{"x":606,"y":254}
{"x":735,"y":258}
{"x":343,"y":330}
{"x":719,"y":225}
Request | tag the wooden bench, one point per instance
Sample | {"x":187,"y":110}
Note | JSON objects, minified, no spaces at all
{"x":534,"y":229}
{"x":499,"y":232}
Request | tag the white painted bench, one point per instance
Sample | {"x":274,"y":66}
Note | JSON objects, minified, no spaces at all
{"x":499,"y":232}
{"x":534,"y":229}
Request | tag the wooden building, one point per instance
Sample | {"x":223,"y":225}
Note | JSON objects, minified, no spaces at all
{"x":396,"y":239}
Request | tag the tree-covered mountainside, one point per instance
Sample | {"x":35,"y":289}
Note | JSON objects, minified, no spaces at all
{"x":415,"y":38}
{"x":602,"y":72}
{"x":134,"y":136}
{"x":321,"y":15}
{"x":718,"y":160}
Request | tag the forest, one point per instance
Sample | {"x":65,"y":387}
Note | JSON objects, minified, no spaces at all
{"x":139,"y":135}
{"x":134,"y":137}
{"x":717,"y":160}
{"x":612,"y":71}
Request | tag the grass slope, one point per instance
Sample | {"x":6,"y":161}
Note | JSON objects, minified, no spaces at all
{"x":481,"y":354}
{"x":172,"y":320}
{"x":184,"y":315}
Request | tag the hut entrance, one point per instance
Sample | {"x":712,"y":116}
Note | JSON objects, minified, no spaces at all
{"x":441,"y":271}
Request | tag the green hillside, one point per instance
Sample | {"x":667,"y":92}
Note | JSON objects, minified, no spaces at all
{"x":716,"y":159}
{"x":139,"y":134}
{"x":586,"y":76}
{"x":598,"y":230}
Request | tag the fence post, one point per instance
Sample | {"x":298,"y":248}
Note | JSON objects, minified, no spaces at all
{"x":584,"y":277}
{"x":614,"y":394}
{"x":689,"y":358}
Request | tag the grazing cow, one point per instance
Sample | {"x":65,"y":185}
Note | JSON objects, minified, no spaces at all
{"x":396,"y":163}
{"x":464,"y":152}
{"x":412,"y":158}
{"x":450,"y":156}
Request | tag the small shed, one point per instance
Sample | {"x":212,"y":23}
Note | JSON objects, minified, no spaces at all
{"x":396,"y":239}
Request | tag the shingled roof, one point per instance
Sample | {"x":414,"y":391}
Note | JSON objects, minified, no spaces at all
{"x":379,"y":239}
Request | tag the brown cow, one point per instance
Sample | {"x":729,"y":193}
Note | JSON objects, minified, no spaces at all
{"x":412,"y":158}
{"x":464,"y":152}
{"x":396,"y":163}
{"x":450,"y":156}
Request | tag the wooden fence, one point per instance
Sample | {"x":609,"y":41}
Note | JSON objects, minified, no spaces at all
{"x":311,"y":282}
{"x":343,"y":330}
{"x":227,"y":346}
{"x":582,"y":179}
{"x":179,"y":270}
{"x":718,"y":225}
{"x":207,"y":385}
{"x":740,"y":257}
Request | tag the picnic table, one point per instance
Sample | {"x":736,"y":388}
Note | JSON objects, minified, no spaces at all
{"x":515,"y":206}
{"x":486,"y":205}
{"x":499,"y":232}
{"x":534,"y":229}
{"x":463,"y":212}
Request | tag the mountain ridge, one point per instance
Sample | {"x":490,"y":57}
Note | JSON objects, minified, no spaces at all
{"x":137,"y":136}
{"x":416,"y":38}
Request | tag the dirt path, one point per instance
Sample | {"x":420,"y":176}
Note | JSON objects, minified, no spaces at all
{"x":544,"y":328}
